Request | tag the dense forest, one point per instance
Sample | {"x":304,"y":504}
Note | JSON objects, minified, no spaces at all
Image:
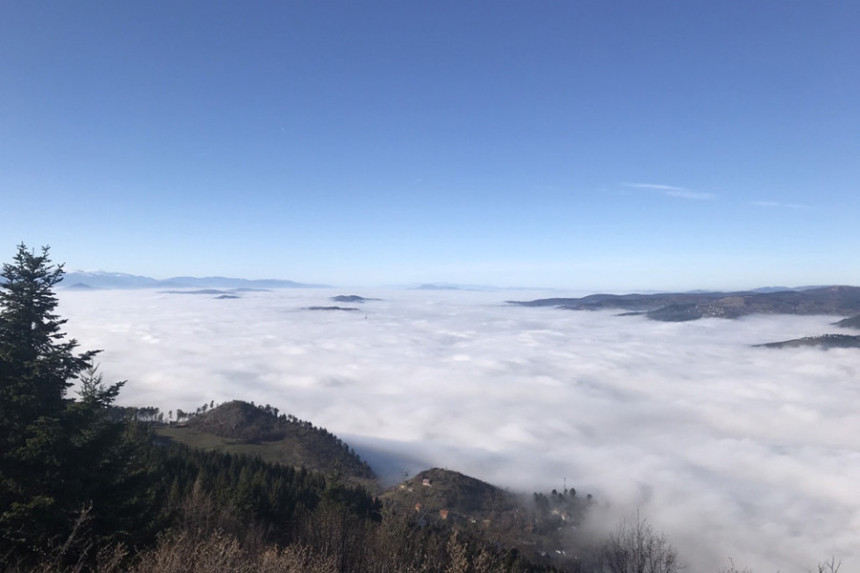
{"x":88,"y":486}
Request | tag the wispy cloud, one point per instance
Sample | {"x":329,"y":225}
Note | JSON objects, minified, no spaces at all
{"x":687,"y":194}
{"x":654,"y":186}
{"x":673,"y":191}
{"x":777,"y":205}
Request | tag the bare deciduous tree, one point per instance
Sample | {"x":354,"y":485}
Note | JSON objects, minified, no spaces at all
{"x":831,"y":566}
{"x":636,"y":547}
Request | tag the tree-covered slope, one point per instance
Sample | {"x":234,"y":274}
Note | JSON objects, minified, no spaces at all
{"x":243,"y":428}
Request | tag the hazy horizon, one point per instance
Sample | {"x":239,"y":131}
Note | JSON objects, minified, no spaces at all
{"x":70,"y":281}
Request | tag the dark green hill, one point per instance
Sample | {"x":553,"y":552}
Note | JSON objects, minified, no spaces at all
{"x":676,"y":307}
{"x":243,"y":428}
{"x":351,"y":298}
{"x":538,"y":525}
{"x":853,"y":322}
{"x":242,"y":421}
{"x":437,"y":489}
{"x":824,"y":341}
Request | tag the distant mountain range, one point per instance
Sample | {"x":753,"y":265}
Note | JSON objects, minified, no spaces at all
{"x":678,"y":307}
{"x":105,"y":280}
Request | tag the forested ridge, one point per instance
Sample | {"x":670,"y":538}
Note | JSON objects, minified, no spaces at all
{"x":86,"y":485}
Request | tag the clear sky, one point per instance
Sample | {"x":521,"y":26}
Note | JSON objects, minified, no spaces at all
{"x":583,"y":145}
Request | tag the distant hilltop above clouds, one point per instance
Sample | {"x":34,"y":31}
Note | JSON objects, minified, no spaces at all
{"x":679,"y":307}
{"x":106,"y":280}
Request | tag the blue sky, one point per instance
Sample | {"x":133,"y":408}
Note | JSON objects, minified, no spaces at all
{"x":581,"y":145}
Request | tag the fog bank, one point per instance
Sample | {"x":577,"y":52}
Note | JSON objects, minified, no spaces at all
{"x":733,"y":451}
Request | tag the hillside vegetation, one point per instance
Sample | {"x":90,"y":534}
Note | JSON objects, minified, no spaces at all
{"x":242,"y":428}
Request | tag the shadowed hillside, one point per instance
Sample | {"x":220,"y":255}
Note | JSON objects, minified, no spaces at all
{"x":243,"y":428}
{"x":824,"y":341}
{"x":536,"y":526}
{"x":853,"y":322}
{"x":437,"y":489}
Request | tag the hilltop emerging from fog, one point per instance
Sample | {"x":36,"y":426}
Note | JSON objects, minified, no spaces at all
{"x":679,"y":307}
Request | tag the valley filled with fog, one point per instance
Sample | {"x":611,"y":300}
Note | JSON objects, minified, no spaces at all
{"x":735,"y":452}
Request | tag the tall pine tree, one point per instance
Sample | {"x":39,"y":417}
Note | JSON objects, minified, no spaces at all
{"x":36,"y":364}
{"x":50,"y":445}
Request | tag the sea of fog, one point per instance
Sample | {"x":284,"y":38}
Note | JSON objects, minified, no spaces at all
{"x":734,"y":452}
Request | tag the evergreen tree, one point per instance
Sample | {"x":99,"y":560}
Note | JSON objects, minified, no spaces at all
{"x":37,"y":366}
{"x":59,"y":459}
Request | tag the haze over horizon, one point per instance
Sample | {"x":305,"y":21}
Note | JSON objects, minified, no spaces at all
{"x":112,"y":280}
{"x":611,"y":146}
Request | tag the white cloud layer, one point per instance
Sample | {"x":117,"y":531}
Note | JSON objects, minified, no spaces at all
{"x":733,"y":451}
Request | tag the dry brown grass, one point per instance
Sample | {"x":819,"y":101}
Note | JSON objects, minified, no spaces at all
{"x":186,"y":553}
